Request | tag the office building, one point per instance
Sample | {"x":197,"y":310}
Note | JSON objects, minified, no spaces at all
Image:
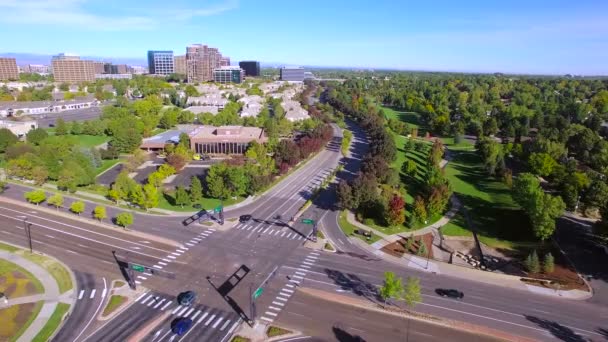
{"x":225,"y":139}
{"x":19,"y":128}
{"x":201,"y":60}
{"x":71,"y":69}
{"x":160,"y":62}
{"x":225,"y":61}
{"x":38,"y":69}
{"x":252,"y":68}
{"x":100,"y":67}
{"x":228,"y":74}
{"x":138,"y":70}
{"x":292,"y":74}
{"x":180,"y":65}
{"x":8,"y":69}
{"x":66,"y":56}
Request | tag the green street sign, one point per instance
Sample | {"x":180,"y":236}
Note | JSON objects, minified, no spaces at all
{"x":138,"y":268}
{"x":217,"y":209}
{"x":308,"y":221}
{"x":258,"y":293}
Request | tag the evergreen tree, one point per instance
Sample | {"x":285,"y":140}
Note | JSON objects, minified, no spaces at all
{"x":532,"y":263}
{"x":196,"y":190}
{"x":181,"y":197}
{"x":549,"y":263}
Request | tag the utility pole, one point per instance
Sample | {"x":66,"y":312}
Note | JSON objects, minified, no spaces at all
{"x":28,"y":231}
{"x":258,"y":292}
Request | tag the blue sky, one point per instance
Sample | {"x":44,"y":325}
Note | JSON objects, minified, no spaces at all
{"x":533,"y":36}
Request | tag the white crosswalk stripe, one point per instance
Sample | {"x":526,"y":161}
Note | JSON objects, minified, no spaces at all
{"x":225,"y":325}
{"x":278,"y":231}
{"x":93,"y":294}
{"x":82,"y":294}
{"x":189,"y":312}
{"x":287,"y":290}
{"x":165,"y":306}
{"x":274,"y":308}
{"x":190,"y":244}
{"x":147,"y":299}
{"x":137,"y":300}
{"x":176,"y":310}
{"x":267,"y":319}
{"x":289,"y":235}
{"x":196,"y":314}
{"x":202,"y":317}
{"x":270,"y":313}
{"x":278,"y":303}
{"x":217,"y":322}
{"x":159,"y":303}
{"x":182,"y":311}
{"x":210,"y":319}
{"x":265,"y":230}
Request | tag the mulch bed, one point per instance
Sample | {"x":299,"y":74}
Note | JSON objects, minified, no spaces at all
{"x":564,"y":273}
{"x":398,"y":248}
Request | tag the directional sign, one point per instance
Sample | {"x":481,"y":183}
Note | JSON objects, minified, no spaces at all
{"x":308,"y":221}
{"x":258,"y":293}
{"x":138,"y":268}
{"x":217,"y":209}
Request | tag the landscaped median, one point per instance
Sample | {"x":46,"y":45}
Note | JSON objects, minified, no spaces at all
{"x":31,"y":283}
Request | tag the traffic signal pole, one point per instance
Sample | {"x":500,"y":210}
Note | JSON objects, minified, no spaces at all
{"x":258,"y":292}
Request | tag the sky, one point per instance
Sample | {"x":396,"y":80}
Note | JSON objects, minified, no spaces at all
{"x":532,"y":36}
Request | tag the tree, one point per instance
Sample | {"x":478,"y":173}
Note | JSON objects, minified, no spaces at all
{"x":124,"y":219}
{"x":7,"y":139}
{"x":224,"y":181}
{"x":99,"y":212}
{"x":392,"y":287}
{"x":67,"y":179}
{"x":35,"y":196}
{"x":77,"y":207}
{"x":395,"y":211}
{"x":61,"y":128}
{"x":126,"y":139}
{"x":76,"y":128}
{"x":419,"y":213}
{"x":169,"y":119}
{"x":542,"y":209}
{"x":549,"y":263}
{"x":181,"y":197}
{"x":421,"y":248}
{"x":39,"y":175}
{"x":177,"y":161}
{"x":345,"y":195}
{"x":36,"y":135}
{"x":542,"y":164}
{"x":56,"y":200}
{"x":532,"y":263}
{"x":150,"y":196}
{"x":136,"y":195}
{"x":114,"y":195}
{"x":412,"y":292}
{"x":409,"y":167}
{"x":196,"y":190}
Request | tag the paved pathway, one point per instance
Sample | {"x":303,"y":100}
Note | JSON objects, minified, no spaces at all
{"x":51,"y":295}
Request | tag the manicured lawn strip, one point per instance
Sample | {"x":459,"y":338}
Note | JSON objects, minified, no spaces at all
{"x":499,"y":221}
{"x":53,"y":323}
{"x":349,"y":229}
{"x":276,"y":331}
{"x":410,"y":118}
{"x":106,"y":164}
{"x":61,"y":275}
{"x":91,"y":140}
{"x":114,"y":303}
{"x":166,"y":202}
{"x":8,"y":267}
{"x":23,"y":328}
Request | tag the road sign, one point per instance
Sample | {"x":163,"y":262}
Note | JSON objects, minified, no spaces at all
{"x":217,"y":209}
{"x":138,"y":268}
{"x":308,"y":221}
{"x":258,"y":293}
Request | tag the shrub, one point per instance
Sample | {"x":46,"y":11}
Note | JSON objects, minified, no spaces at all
{"x":532,"y":263}
{"x":549,"y":263}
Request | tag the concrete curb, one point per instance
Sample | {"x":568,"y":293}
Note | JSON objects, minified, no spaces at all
{"x":93,"y":222}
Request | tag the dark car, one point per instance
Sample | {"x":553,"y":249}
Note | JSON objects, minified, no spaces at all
{"x":244,"y":218}
{"x":186,"y":298}
{"x":452,"y":293}
{"x":181,"y":325}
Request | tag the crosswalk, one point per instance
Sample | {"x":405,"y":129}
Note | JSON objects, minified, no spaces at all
{"x":261,"y":230}
{"x":205,"y":320}
{"x":84,"y":294}
{"x":281,"y":299}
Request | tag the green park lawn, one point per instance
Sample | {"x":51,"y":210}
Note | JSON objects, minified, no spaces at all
{"x":410,"y":118}
{"x":53,"y":323}
{"x":167,"y":202}
{"x":85,"y":140}
{"x":499,"y":221}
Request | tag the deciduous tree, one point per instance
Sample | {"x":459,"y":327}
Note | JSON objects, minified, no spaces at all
{"x":35,"y":196}
{"x":124,"y":219}
{"x":99,"y":213}
{"x":56,"y":200}
{"x":196,"y":190}
{"x":77,"y":207}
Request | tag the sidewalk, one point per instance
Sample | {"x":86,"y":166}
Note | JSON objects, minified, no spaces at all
{"x":51,"y":295}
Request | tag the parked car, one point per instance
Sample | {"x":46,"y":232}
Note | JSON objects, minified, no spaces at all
{"x":451,"y":293}
{"x":244,"y":218}
{"x":186,"y":298}
{"x":181,"y":325}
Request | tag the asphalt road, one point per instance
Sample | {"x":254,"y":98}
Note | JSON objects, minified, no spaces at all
{"x":84,"y":114}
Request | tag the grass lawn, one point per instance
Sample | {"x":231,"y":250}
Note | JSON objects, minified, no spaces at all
{"x":53,"y":323}
{"x":105,"y":165}
{"x":85,"y":140}
{"x":17,"y":281}
{"x":498,"y":219}
{"x":61,"y":275}
{"x":16,"y":319}
{"x":167,"y":201}
{"x":114,"y":303}
{"x":349,"y":229}
{"x":276,"y":331}
{"x":410,"y":118}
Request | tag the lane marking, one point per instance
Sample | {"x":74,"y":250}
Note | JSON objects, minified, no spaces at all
{"x":176,"y":310}
{"x":283,"y":234}
{"x":299,"y":273}
{"x":210,"y":319}
{"x":281,"y":298}
{"x":159,"y":303}
{"x":190,"y":244}
{"x":278,"y":303}
{"x":92,"y":293}
{"x":159,"y":267}
{"x":287,"y":237}
{"x":274,"y":308}
{"x":289,"y":285}
{"x":297,"y":276}
{"x":270,"y":313}
{"x":171,"y":257}
{"x":165,"y":306}
{"x":217,"y":322}
{"x":225,"y":325}
{"x":162,"y":263}
{"x":138,"y":298}
{"x":278,"y":231}
{"x":176,"y":254}
{"x":266,"y":319}
{"x":103,"y":293}
{"x":288,"y":290}
{"x":285,"y":294}
{"x":265,"y":230}
{"x":203,"y":317}
{"x":82,"y":294}
{"x":196,"y":314}
{"x":189,"y":312}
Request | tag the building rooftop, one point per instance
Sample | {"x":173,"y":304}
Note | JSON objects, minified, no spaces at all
{"x":227,"y":134}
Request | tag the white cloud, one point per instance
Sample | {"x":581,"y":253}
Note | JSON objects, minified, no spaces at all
{"x":73,"y":13}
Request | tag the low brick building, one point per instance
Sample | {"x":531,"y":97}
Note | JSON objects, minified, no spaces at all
{"x":225,"y":139}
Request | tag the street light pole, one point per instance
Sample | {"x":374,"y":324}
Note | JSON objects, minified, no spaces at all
{"x":28,"y":232}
